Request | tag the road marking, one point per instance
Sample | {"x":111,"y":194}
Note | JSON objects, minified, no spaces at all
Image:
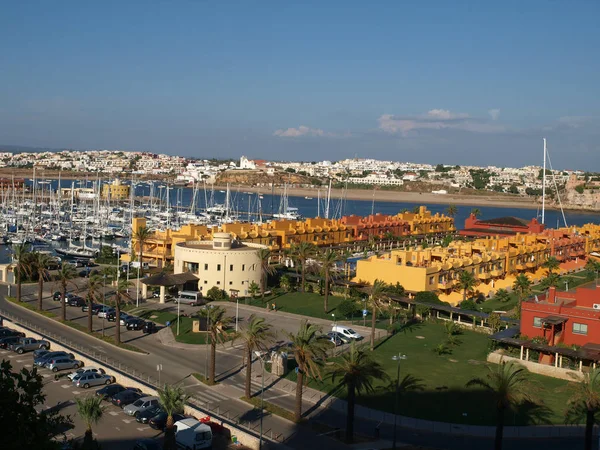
{"x":113,"y":413}
{"x":65,"y":386}
{"x":143,"y":428}
{"x":27,"y":365}
{"x":76,"y":392}
{"x":127,"y":420}
{"x":21,"y":360}
{"x":12,"y":356}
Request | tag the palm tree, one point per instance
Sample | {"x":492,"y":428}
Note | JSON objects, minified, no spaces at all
{"x":376,"y":299}
{"x":264,"y":254}
{"x":91,"y":410}
{"x":141,"y":236}
{"x":551,"y":265}
{"x":39,"y":263}
{"x":120,"y":292}
{"x":452,"y":210}
{"x":502,"y":295}
{"x":95,"y":285}
{"x":476,"y":212}
{"x":466,"y":283}
{"x":507,"y":383}
{"x":21,"y":255}
{"x":328,"y":259}
{"x":585,"y":401}
{"x":302,"y":252}
{"x":65,"y":277}
{"x":254,"y":336}
{"x":308,"y":352}
{"x":253,"y":289}
{"x":593,"y":266}
{"x":522,"y":287}
{"x":172,"y":400}
{"x":356,"y":371}
{"x":216,"y":321}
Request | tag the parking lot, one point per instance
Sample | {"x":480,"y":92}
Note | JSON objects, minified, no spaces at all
{"x":116,"y":430}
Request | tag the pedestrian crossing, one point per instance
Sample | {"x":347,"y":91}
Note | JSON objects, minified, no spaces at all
{"x":207,"y":395}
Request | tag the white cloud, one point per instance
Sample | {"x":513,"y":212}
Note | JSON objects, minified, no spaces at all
{"x":494,"y":113}
{"x":435,"y":119}
{"x":303,"y":130}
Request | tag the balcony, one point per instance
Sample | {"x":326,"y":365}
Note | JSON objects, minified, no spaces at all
{"x":446,"y":284}
{"x":497,"y":273}
{"x":484,"y":276}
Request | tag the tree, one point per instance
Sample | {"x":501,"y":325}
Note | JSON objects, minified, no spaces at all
{"x":255,"y":337}
{"x":347,"y":308}
{"x":172,"y":400}
{"x":39,"y":263}
{"x":452,"y":210}
{"x":507,"y":382}
{"x":356,"y":371}
{"x":476,"y":212}
{"x":21,"y":254}
{"x":121,"y":289}
{"x":376,"y":299}
{"x":253,"y":289}
{"x":309,"y":352}
{"x":522,"y":287}
{"x":23,"y":427}
{"x":285,"y":283}
{"x":65,"y":277}
{"x":466,"y":283}
{"x":551,"y":264}
{"x":95,"y":285}
{"x":328,"y":260}
{"x":585,"y":402}
{"x":593,"y":267}
{"x":90,"y":410}
{"x":302,"y":252}
{"x":264,"y":254}
{"x":217,"y":294}
{"x":428,"y":297}
{"x":216,"y":322}
{"x":495,"y":322}
{"x":141,"y":236}
{"x":502,"y":295}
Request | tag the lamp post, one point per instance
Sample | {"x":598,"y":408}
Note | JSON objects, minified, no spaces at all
{"x":237,"y":312}
{"x":333,"y":315}
{"x":567,"y":285}
{"x":103,"y":303}
{"x":397,"y":358}
{"x":178,"y":303}
{"x":262,"y":396}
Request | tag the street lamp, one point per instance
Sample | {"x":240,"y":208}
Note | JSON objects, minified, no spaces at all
{"x":103,"y":303}
{"x":333,"y":315}
{"x":262,"y":396}
{"x":567,"y":285}
{"x":397,"y":358}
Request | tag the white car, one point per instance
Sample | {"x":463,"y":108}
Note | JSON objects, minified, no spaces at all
{"x":85,"y":370}
{"x":347,"y":332}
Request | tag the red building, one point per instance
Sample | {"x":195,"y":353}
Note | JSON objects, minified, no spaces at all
{"x":500,"y":226}
{"x":377,"y":225}
{"x":572,"y":317}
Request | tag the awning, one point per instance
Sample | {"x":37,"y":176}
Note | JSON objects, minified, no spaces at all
{"x":554,"y":320}
{"x":169,"y":279}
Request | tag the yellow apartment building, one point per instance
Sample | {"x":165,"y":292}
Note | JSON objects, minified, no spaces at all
{"x":115,"y":190}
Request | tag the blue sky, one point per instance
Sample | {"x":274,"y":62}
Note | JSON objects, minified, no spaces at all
{"x":428,"y":81}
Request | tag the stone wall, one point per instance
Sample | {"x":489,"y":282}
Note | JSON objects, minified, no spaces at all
{"x":541,"y":369}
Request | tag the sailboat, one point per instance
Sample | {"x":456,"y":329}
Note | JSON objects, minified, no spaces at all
{"x":285,"y":210}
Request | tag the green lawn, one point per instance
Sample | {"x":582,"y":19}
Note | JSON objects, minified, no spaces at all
{"x":445,"y":397}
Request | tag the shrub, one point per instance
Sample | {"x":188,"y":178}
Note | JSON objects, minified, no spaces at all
{"x":214,"y":293}
{"x":580,"y":188}
{"x":348,"y":308}
{"x":428,"y":297}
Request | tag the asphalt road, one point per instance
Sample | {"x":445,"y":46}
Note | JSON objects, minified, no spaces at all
{"x":179,"y":363}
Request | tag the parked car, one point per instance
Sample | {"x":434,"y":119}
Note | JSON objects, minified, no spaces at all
{"x":123,"y":317}
{"x":76,"y":301}
{"x":190,"y":298}
{"x":63,"y":363}
{"x":41,"y":357}
{"x":85,"y":370}
{"x":93,"y":379}
{"x":29,"y":345}
{"x":335,"y":340}
{"x":147,"y":414}
{"x":140,"y":405}
{"x":126,"y":397}
{"x":150,"y":327}
{"x":109,"y":391}
{"x":193,"y":434}
{"x":147,"y":444}
{"x":57,"y":296}
{"x":135,"y":323}
{"x":103,"y":313}
{"x":159,"y":422}
{"x":347,"y":331}
{"x":8,"y":332}
{"x":7,"y":341}
{"x":53,"y":264}
{"x":95,"y":308}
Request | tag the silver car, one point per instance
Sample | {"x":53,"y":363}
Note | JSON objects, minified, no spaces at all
{"x":92,"y":379}
{"x":140,"y":405}
{"x":85,"y":370}
{"x":57,"y":364}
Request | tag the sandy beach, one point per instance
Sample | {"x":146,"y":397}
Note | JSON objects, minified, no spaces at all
{"x":405,"y":197}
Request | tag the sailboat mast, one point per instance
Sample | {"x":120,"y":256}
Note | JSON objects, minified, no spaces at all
{"x":544,"y":185}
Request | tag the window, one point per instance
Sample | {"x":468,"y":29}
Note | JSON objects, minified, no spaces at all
{"x":430,"y":280}
{"x":218,"y":282}
{"x":243,"y":267}
{"x":218,"y":267}
{"x":217,"y":244}
{"x":205,"y":266}
{"x":205,"y":281}
{"x":230,"y":283}
{"x":579,"y":328}
{"x":231,"y":267}
{"x":537,"y":322}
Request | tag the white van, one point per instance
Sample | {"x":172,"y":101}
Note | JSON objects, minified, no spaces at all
{"x":347,"y":331}
{"x":189,"y":298}
{"x":192,"y":434}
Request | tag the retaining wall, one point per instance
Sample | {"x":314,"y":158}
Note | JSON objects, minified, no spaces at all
{"x":542,"y":369}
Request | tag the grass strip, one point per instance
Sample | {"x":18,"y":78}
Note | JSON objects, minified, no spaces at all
{"x":203,"y":379}
{"x":270,"y":408}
